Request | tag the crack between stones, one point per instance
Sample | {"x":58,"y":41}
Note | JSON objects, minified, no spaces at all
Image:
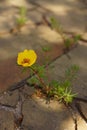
{"x":17,"y":112}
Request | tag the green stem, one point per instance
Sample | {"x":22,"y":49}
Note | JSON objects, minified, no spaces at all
{"x":39,"y":78}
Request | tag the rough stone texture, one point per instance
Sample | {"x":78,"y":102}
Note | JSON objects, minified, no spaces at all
{"x":48,"y":118}
{"x":9,"y":98}
{"x":6,"y":120}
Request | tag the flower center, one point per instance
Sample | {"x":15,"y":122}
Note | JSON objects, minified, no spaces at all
{"x":25,"y":61}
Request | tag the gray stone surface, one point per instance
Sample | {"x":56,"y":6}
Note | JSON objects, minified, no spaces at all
{"x":6,"y":120}
{"x":78,"y":57}
{"x":71,"y":14}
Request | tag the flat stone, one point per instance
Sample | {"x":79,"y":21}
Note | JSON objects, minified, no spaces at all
{"x":76,"y":56}
{"x":30,"y":37}
{"x":9,"y":98}
{"x":44,"y":112}
{"x":6,"y":120}
{"x":84,"y":36}
{"x":34,"y":16}
{"x":18,"y":3}
{"x":63,"y":10}
{"x":49,"y":35}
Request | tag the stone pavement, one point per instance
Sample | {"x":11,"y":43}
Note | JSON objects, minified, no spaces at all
{"x":37,"y":114}
{"x":35,"y":37}
{"x":73,"y":16}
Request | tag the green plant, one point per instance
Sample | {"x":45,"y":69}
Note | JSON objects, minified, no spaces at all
{"x":77,"y":38}
{"x":57,"y":26}
{"x":39,"y":72}
{"x":71,"y":72}
{"x":61,"y":90}
{"x":21,"y":20}
{"x":68,"y":41}
{"x":46,"y":48}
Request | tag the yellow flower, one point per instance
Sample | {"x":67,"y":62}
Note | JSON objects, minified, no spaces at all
{"x":26,"y":58}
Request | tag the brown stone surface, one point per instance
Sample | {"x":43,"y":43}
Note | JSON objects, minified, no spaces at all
{"x":11,"y":73}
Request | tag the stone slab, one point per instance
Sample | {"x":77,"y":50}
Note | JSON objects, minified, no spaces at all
{"x":71,"y":14}
{"x":74,"y":57}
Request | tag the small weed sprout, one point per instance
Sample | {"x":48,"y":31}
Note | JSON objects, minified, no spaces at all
{"x":46,"y":48}
{"x":21,"y":20}
{"x":68,"y":41}
{"x":60,"y":90}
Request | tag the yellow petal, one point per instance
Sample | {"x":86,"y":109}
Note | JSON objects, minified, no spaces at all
{"x":27,"y":55}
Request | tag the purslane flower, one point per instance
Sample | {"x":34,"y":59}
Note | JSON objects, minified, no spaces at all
{"x":26,"y":58}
